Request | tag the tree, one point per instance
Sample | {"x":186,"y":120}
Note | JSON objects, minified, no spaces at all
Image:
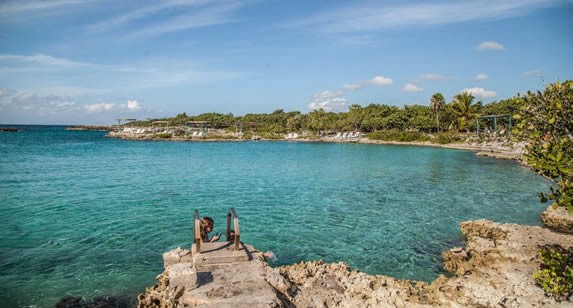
{"x":546,"y":123}
{"x":465,"y":108}
{"x":437,"y":103}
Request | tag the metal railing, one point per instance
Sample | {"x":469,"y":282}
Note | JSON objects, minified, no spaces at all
{"x":197,"y":232}
{"x":231,"y":215}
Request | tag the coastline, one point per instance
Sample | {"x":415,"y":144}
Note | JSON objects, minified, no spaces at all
{"x":487,"y":149}
{"x":495,"y":268}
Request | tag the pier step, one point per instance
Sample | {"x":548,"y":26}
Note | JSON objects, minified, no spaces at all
{"x":233,"y":284}
{"x":221,"y":252}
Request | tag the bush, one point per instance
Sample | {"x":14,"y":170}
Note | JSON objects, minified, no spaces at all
{"x":163,"y":136}
{"x":447,"y":137}
{"x":556,"y":273}
{"x":270,"y":135}
{"x":546,"y":123}
{"x":397,"y":135}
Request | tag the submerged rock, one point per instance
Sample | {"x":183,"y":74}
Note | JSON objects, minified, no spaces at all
{"x":495,"y":269}
{"x":96,"y":302}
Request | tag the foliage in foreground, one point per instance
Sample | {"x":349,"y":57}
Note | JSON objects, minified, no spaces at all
{"x":556,"y":273}
{"x":546,"y":123}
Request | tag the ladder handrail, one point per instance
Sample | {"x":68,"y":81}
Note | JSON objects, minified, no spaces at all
{"x":233,"y":214}
{"x":197,"y":232}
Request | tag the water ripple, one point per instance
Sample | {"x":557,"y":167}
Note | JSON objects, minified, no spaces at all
{"x":85,"y":215}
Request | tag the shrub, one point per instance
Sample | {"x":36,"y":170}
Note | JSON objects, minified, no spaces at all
{"x":546,"y":123}
{"x":397,"y":135}
{"x":163,"y":136}
{"x":556,"y":273}
{"x":447,"y":137}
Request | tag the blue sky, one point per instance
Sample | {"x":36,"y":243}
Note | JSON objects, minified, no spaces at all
{"x":92,"y":61}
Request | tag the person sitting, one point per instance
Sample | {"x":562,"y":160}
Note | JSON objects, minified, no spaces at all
{"x":207,"y":224}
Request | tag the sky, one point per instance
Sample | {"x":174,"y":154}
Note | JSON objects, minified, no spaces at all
{"x":93,"y":61}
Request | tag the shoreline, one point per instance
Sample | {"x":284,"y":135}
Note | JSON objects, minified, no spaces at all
{"x":495,"y":268}
{"x":487,"y":149}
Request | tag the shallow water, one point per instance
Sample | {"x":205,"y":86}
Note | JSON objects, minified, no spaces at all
{"x":85,"y":215}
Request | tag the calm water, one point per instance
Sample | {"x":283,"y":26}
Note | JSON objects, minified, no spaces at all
{"x":85,"y":215}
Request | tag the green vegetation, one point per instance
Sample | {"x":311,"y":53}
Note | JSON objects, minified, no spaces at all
{"x":398,"y":135}
{"x":437,"y":103}
{"x":556,"y":273}
{"x":458,"y":115}
{"x":163,"y":136}
{"x":465,"y":109}
{"x":447,"y":137}
{"x":546,"y":124}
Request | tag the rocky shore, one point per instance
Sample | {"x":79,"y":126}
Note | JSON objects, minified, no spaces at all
{"x":496,"y":149}
{"x":103,"y":128}
{"x":495,"y":269}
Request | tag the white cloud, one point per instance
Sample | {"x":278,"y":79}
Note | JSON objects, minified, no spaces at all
{"x":210,"y":16}
{"x":410,"y":87}
{"x":352,"y":86}
{"x":433,"y":77}
{"x":157,"y":73}
{"x":27,"y":107}
{"x":481,"y":76}
{"x":328,"y":101}
{"x":380,"y":81}
{"x":143,"y":11}
{"x":26,"y":6}
{"x":43,"y":60}
{"x":489,"y":45}
{"x":480,"y":92}
{"x":335,"y":101}
{"x":375,"y":81}
{"x":133,"y":105}
{"x":21,"y":100}
{"x":375,"y":16}
{"x":100,"y":107}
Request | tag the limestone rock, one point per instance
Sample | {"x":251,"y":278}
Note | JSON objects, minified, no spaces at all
{"x":182,"y":275}
{"x":175,"y":256}
{"x":495,"y":269}
{"x":557,"y":218}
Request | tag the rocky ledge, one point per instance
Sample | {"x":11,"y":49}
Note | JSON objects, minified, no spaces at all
{"x":557,"y":218}
{"x":494,"y":269}
{"x":103,"y":128}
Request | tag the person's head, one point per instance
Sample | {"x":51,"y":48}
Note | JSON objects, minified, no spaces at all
{"x":207,"y":224}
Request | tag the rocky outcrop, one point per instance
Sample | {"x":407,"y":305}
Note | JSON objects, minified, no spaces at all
{"x":495,"y":269}
{"x":558,"y":219}
{"x":236,"y":284}
{"x":103,"y":128}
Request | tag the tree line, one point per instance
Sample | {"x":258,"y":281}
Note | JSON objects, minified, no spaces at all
{"x":437,"y":116}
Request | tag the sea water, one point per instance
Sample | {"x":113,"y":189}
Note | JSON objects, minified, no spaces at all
{"x":85,"y":215}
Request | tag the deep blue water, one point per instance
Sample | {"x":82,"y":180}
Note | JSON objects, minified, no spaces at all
{"x":85,"y":215}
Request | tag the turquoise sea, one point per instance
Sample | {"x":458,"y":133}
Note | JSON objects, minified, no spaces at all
{"x":86,"y":215}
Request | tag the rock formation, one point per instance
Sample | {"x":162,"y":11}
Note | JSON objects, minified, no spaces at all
{"x":495,"y":269}
{"x":557,"y":218}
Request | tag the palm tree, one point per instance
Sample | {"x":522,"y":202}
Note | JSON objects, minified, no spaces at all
{"x":437,"y":103}
{"x":465,"y":108}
